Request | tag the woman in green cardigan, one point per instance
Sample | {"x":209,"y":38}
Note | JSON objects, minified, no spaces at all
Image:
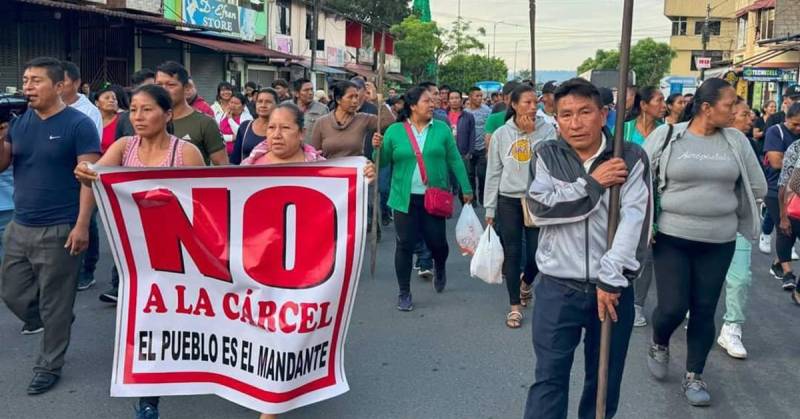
{"x":406,"y":196}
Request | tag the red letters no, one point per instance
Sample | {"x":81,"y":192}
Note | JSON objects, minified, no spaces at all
{"x":264,"y":241}
{"x":206,"y":238}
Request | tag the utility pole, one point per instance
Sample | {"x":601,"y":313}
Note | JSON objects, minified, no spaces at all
{"x":706,"y":35}
{"x":532,"y":22}
{"x":314,"y":29}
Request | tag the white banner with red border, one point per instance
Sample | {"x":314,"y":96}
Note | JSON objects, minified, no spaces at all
{"x":235,"y":281}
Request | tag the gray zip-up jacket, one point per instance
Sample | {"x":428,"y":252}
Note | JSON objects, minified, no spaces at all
{"x":571,"y":208}
{"x":751,"y":186}
{"x":508,"y":161}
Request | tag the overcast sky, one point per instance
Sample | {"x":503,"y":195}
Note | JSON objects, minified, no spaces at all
{"x":568,"y":31}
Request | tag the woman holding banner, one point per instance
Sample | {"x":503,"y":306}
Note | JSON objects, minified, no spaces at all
{"x":419,"y":183}
{"x":152,"y":146}
{"x":284,"y":144}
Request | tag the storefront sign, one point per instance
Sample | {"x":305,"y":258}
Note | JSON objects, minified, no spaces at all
{"x":283,"y":44}
{"x":766,"y":74}
{"x":335,"y":56}
{"x":212,"y":14}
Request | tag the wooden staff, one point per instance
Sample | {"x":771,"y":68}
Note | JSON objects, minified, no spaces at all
{"x":376,"y":196}
{"x":614,"y":198}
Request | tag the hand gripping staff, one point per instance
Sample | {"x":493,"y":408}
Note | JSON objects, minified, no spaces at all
{"x":614,"y":199}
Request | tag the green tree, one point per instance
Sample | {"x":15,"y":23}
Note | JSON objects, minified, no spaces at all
{"x":524,"y":75}
{"x":458,"y":40}
{"x":417,"y":44}
{"x":603,"y":60}
{"x":650,"y":60}
{"x":463,"y":71}
{"x":375,"y":13}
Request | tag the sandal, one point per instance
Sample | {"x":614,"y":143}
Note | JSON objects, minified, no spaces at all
{"x":525,"y":293}
{"x":796,"y":296}
{"x":514,"y":319}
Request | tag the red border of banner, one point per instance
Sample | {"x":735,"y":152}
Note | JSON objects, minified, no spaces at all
{"x":110,"y":179}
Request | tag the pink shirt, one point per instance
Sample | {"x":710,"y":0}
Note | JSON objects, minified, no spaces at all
{"x":259,"y":154}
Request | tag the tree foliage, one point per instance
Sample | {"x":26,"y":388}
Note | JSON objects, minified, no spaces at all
{"x":649,"y":59}
{"x":458,"y":40}
{"x":417,"y":44}
{"x":375,"y":13}
{"x":463,"y":71}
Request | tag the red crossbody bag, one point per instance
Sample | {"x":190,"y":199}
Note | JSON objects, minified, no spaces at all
{"x":438,"y":202}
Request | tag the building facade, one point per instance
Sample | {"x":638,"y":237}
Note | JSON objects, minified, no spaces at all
{"x":231,"y":40}
{"x":688,"y":18}
{"x":766,"y":58}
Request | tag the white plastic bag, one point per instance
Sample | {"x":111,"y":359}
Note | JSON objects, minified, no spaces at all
{"x":468,"y":231}
{"x":487,"y":263}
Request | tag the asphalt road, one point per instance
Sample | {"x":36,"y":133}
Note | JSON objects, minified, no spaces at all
{"x":452,"y":357}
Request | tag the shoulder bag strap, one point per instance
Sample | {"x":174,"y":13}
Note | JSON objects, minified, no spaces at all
{"x":175,"y":142}
{"x":664,"y":147}
{"x":413,"y":140}
{"x":244,"y":138}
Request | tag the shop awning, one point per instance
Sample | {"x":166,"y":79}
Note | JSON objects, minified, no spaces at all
{"x":232,"y":47}
{"x":321,"y":68}
{"x":758,"y":5}
{"x":361,"y":70}
{"x":397,"y":77}
{"x":155,"y":20}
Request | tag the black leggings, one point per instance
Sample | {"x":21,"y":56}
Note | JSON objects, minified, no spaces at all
{"x":783,"y":243}
{"x":689,"y":276}
{"x":408,"y":226}
{"x":510,"y":224}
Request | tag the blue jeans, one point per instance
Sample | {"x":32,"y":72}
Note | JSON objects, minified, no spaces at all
{"x":560,"y":317}
{"x":424,"y":255}
{"x":768,"y":225}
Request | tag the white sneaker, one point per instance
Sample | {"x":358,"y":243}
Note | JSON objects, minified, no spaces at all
{"x":765,"y":243}
{"x":730,"y":339}
{"x":794,"y":255}
{"x":639,"y":320}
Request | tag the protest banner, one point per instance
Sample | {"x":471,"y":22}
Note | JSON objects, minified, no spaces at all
{"x":235,"y":281}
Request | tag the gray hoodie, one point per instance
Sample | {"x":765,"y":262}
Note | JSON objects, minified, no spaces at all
{"x":508,"y":161}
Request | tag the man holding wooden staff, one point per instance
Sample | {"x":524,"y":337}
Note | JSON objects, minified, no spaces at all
{"x":583,"y":278}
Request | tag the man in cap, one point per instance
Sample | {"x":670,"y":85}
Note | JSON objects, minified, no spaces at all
{"x":548,"y":109}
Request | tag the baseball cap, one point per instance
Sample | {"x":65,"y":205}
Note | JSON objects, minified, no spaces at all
{"x":606,"y":96}
{"x":359,"y":84}
{"x":793,"y":91}
{"x":549,"y":87}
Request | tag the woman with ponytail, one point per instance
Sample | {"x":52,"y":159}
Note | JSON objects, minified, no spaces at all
{"x":508,"y":178}
{"x":676,"y":105}
{"x":646,"y":115}
{"x":708,"y":180}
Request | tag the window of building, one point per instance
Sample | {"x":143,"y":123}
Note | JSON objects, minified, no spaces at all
{"x":741,"y":32}
{"x":284,"y":17}
{"x":714,"y":27}
{"x":309,"y":25}
{"x":716,"y":56}
{"x":678,"y":26}
{"x":766,"y":24}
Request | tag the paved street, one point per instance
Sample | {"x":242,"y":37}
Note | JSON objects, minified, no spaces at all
{"x":452,"y":357}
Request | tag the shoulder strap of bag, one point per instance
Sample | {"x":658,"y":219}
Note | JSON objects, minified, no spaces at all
{"x":244,"y":138}
{"x":663,"y":147}
{"x":668,"y":139}
{"x":175,"y":142}
{"x":413,"y":140}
